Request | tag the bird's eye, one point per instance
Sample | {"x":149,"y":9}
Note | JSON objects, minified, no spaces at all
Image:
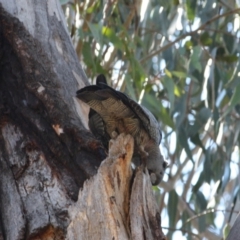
{"x":165,"y":164}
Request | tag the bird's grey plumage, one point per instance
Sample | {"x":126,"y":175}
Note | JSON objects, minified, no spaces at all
{"x":112,"y":111}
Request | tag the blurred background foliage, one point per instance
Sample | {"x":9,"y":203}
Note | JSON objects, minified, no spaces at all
{"x":179,"y":58}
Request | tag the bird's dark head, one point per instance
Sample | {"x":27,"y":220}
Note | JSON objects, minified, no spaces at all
{"x":156,"y":164}
{"x":157,"y":176}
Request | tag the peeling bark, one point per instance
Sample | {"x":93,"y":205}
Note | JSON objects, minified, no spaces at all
{"x":113,"y":204}
{"x":34,"y":98}
{"x":46,"y":153}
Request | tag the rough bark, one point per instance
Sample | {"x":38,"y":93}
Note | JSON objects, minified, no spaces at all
{"x":234,"y":233}
{"x":46,"y":153}
{"x":114,"y":204}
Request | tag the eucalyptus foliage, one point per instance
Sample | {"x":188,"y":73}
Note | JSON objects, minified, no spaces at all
{"x":181,"y":60}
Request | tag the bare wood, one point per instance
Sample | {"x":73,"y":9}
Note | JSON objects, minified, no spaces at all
{"x":145,"y":219}
{"x":110,"y":207}
{"x":102,"y":207}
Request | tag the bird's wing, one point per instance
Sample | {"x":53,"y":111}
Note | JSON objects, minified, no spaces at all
{"x":146,"y":118}
{"x":98,"y":127}
{"x":106,"y":100}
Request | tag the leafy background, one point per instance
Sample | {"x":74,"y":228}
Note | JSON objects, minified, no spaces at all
{"x":180,"y":59}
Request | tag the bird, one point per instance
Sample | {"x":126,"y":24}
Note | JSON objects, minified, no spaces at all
{"x":113,"y":112}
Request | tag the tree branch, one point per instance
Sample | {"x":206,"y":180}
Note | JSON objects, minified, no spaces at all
{"x":203,"y":26}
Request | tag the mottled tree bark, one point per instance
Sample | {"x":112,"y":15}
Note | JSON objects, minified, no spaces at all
{"x":234,"y":233}
{"x":46,"y":152}
{"x":114,"y":204}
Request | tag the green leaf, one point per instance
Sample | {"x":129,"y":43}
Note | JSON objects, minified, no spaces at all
{"x":226,"y":230}
{"x":179,"y":74}
{"x":93,"y":7}
{"x":111,"y":35}
{"x":201,"y":201}
{"x":130,"y":89}
{"x":228,"y":58}
{"x":226,"y":175}
{"x":199,"y":183}
{"x":201,"y":119}
{"x":195,"y":58}
{"x":168,"y":73}
{"x":229,"y":42}
{"x":208,"y":166}
{"x":183,"y":140}
{"x":188,"y":45}
{"x":235,"y":99}
{"x":196,"y":140}
{"x":180,"y":109}
{"x":169,"y":85}
{"x":186,"y":225}
{"x":218,"y":168}
{"x":165,"y":118}
{"x":155,"y":106}
{"x":205,"y":39}
{"x":172,"y":208}
{"x":96,"y":31}
{"x":87,"y":54}
{"x":191,"y":6}
{"x":136,"y":71}
{"x":202,"y":223}
{"x":85,"y":33}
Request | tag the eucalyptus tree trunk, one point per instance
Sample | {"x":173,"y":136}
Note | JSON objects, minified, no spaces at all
{"x":234,"y":233}
{"x":46,"y":151}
